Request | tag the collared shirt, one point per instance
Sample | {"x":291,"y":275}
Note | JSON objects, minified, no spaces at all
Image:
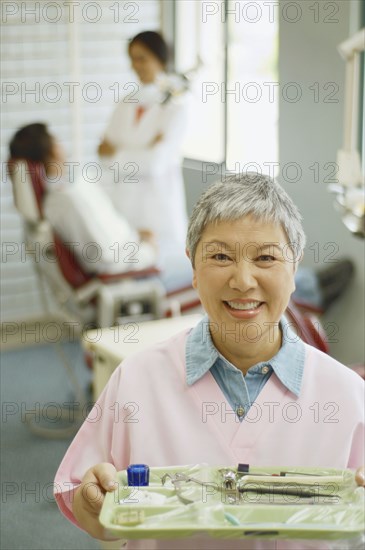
{"x":241,"y":391}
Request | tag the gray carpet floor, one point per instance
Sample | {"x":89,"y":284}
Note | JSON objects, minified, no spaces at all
{"x":31,"y":378}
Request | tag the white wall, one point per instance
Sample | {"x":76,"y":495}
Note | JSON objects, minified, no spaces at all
{"x":311,"y":132}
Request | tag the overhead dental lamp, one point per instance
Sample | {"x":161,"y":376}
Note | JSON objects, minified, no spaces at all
{"x":349,"y":192}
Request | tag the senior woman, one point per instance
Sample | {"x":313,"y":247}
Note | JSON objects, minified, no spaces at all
{"x":240,"y":387}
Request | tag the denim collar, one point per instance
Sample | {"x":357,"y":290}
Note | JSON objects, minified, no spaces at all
{"x":288,"y":363}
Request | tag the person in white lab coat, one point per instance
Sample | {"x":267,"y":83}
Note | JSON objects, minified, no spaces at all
{"x":142,"y":145}
{"x":82,"y":213}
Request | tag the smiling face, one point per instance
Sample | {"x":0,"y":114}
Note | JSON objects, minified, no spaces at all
{"x":244,"y":274}
{"x":144,"y":63}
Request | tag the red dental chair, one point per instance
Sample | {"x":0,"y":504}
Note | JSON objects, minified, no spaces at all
{"x":100,"y":300}
{"x":103,"y":299}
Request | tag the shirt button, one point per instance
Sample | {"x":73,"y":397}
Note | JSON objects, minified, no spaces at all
{"x":240,"y":411}
{"x":265,"y":369}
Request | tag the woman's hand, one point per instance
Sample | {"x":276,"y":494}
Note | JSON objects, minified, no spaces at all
{"x":89,"y":497}
{"x":360,"y":476}
{"x":106,"y":149}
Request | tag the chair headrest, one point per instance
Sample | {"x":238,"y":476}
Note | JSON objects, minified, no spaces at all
{"x":29,"y":187}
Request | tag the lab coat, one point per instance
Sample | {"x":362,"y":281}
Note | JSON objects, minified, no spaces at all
{"x":145,"y":180}
{"x":103,"y":242}
{"x":147,"y":414}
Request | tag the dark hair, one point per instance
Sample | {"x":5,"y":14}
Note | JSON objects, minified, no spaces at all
{"x":32,"y":142}
{"x":154,"y":42}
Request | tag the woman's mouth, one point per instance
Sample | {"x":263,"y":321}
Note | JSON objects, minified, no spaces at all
{"x":243,"y":309}
{"x":244,"y":305}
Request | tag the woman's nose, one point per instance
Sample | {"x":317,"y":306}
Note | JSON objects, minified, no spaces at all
{"x":243,"y":276}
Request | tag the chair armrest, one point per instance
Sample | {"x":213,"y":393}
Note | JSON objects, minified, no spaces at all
{"x":87,"y":291}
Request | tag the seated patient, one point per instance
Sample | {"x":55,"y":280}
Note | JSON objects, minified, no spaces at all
{"x":239,"y":387}
{"x":82,"y":213}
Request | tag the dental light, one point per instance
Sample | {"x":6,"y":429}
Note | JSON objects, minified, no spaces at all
{"x":349,"y":192}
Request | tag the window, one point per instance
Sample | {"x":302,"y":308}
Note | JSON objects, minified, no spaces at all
{"x":252,"y":88}
{"x":199,"y":43}
{"x":236,"y":96}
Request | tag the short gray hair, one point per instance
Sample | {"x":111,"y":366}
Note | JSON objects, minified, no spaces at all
{"x":246,"y":194}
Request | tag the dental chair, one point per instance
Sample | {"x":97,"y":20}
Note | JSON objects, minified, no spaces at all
{"x":102,"y":299}
{"x":90,"y":300}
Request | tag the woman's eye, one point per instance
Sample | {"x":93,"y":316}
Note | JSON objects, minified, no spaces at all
{"x":266,"y":258}
{"x":221,"y":257}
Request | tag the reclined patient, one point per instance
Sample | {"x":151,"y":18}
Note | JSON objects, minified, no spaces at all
{"x":81,"y":213}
